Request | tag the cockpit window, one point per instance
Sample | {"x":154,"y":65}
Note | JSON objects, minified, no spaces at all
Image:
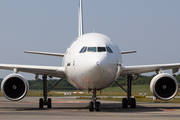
{"x":95,"y":49}
{"x":91,"y":49}
{"x":83,"y":50}
{"x":109,"y":49}
{"x":101,"y":49}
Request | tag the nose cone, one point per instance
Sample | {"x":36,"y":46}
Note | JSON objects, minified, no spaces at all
{"x":99,"y":72}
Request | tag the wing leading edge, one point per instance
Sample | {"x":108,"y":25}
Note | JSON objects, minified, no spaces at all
{"x":39,"y":70}
{"x":45,"y":53}
{"x":135,"y":70}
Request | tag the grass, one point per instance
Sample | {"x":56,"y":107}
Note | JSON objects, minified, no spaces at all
{"x":135,"y":88}
{"x":57,"y":93}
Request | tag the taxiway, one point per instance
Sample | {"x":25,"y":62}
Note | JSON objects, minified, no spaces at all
{"x":70,"y":108}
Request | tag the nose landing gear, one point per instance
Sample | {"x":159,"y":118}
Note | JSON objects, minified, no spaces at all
{"x":94,"y":104}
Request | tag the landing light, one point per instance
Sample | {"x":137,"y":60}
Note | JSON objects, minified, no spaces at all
{"x":93,"y":90}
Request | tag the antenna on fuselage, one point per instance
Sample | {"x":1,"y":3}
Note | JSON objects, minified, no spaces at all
{"x":80,"y":28}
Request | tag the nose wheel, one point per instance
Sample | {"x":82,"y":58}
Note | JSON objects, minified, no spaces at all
{"x":91,"y":106}
{"x":98,"y":106}
{"x":94,"y":105}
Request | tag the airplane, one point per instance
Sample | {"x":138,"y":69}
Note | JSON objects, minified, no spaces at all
{"x":92,"y":62}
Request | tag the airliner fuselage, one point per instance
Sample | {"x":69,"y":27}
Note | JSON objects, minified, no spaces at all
{"x":92,"y":61}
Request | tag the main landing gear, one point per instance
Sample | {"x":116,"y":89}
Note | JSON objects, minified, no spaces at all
{"x":44,"y":101}
{"x":94,"y":104}
{"x":128,"y":101}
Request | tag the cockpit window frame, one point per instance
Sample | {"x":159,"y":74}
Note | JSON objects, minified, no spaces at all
{"x":84,"y":50}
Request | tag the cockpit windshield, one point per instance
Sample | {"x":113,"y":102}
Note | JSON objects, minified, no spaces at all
{"x":101,"y":49}
{"x":91,"y":49}
{"x":95,"y":49}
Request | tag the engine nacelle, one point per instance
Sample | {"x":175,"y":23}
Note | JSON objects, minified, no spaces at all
{"x":14,"y":87}
{"x":164,"y":86}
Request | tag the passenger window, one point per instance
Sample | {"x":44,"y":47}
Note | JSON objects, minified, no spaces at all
{"x":109,"y":50}
{"x":101,"y":49}
{"x":91,"y":49}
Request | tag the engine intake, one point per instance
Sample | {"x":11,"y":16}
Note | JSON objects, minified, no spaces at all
{"x":14,"y":87}
{"x":164,"y":86}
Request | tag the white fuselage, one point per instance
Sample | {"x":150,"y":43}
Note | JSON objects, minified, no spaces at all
{"x":92,"y":61}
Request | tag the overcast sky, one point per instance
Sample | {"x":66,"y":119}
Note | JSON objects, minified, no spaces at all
{"x":152,"y":27}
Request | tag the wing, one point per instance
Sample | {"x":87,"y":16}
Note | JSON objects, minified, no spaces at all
{"x":39,"y":70}
{"x":135,"y":70}
{"x":45,"y":53}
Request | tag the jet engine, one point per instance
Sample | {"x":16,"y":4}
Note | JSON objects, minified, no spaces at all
{"x":14,"y":87}
{"x":164,"y":86}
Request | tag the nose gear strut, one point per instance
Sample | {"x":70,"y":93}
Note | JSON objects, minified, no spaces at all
{"x":94,"y":104}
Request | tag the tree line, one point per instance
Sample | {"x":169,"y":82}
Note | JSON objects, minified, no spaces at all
{"x":64,"y":85}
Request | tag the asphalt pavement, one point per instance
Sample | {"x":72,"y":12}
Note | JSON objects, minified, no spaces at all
{"x":70,"y":108}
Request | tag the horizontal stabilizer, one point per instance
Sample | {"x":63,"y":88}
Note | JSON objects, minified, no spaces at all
{"x":45,"y":53}
{"x":127,"y":52}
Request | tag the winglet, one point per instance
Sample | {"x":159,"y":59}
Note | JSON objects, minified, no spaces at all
{"x":80,"y":31}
